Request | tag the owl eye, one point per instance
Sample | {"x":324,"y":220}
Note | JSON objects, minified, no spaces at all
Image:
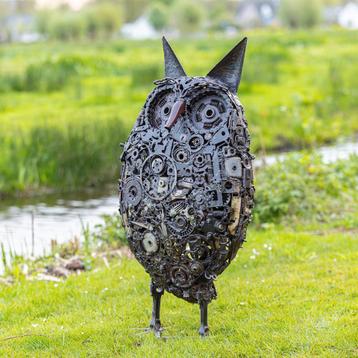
{"x":166,"y":110}
{"x":160,"y":106}
{"x":208,"y":111}
{"x":165,"y":106}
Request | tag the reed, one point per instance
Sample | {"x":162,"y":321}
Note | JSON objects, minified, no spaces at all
{"x":64,"y":108}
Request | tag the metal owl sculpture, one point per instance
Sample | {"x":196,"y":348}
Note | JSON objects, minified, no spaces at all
{"x":186,"y":188}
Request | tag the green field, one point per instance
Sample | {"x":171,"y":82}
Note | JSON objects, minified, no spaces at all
{"x":291,"y":291}
{"x":65,"y":107}
{"x":298,"y":298}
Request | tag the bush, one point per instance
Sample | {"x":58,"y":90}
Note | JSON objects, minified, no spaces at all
{"x":188,"y":16}
{"x":302,"y":185}
{"x":97,"y":21}
{"x":67,"y":26}
{"x":102,"y":20}
{"x":158,"y":15}
{"x":300,"y":13}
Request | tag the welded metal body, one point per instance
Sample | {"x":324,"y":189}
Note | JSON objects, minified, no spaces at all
{"x":186,"y":189}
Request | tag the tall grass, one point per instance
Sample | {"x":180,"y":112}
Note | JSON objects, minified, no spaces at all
{"x":82,"y":154}
{"x":64,"y":108}
{"x":54,"y":73}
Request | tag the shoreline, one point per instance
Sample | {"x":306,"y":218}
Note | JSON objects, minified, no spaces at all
{"x":261,"y":157}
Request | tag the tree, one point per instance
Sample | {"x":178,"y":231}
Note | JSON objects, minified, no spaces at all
{"x":133,"y":8}
{"x":220,"y":15}
{"x":102,"y":19}
{"x":66,"y":26}
{"x":300,"y":13}
{"x":158,"y":15}
{"x":109,"y":17}
{"x":98,"y":19}
{"x":188,"y":16}
{"x":43,"y":22}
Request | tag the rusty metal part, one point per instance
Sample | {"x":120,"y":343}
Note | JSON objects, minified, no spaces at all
{"x":176,"y":111}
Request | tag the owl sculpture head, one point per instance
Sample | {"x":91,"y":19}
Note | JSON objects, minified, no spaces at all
{"x":186,"y":188}
{"x":178,"y":93}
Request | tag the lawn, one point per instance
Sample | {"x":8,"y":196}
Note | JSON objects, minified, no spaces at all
{"x":288,"y":293}
{"x":65,"y":107}
{"x":291,"y":291}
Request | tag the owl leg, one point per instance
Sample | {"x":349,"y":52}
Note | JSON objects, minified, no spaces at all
{"x":204,"y":328}
{"x":157,"y":293}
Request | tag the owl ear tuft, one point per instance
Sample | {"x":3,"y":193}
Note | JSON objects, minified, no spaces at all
{"x":229,"y":69}
{"x":173,"y":68}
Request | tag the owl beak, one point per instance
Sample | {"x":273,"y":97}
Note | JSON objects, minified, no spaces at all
{"x":177,"y":110}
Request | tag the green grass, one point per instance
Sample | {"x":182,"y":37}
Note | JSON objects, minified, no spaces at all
{"x":298,"y":90}
{"x":302,"y":187}
{"x":64,"y":108}
{"x":291,"y":291}
{"x":297,"y":299}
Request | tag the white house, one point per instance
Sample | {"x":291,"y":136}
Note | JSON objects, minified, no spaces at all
{"x":255,"y":13}
{"x":139,"y":29}
{"x":348,"y":16}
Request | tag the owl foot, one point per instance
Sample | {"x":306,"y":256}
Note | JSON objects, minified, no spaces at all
{"x":204,"y":331}
{"x":204,"y":328}
{"x":155,"y":325}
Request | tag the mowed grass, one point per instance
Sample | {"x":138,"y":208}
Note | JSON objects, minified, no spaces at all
{"x":288,"y":293}
{"x":65,"y":107}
